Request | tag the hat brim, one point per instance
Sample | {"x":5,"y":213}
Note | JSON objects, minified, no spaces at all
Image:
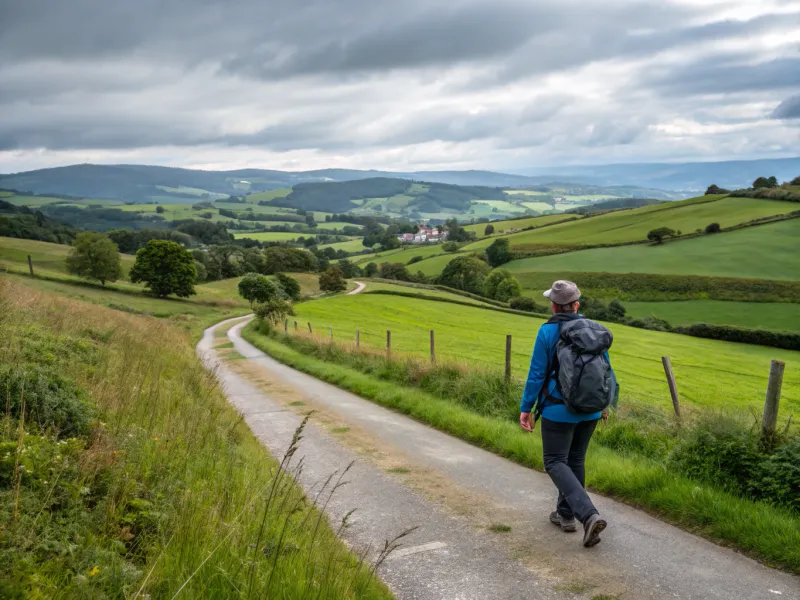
{"x":547,"y":293}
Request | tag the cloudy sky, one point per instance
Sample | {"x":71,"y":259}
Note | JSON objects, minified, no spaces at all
{"x":396,"y":84}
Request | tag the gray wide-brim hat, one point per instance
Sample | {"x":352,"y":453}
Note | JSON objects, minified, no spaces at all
{"x":563,"y":292}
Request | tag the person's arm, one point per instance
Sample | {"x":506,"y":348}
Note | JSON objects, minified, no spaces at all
{"x":536,"y":379}
{"x":614,"y":384}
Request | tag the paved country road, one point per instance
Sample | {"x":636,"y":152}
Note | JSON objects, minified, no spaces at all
{"x":407,"y":474}
{"x":360,"y":287}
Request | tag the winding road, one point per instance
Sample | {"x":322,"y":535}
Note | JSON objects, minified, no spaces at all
{"x":358,"y":290}
{"x":463,"y":500}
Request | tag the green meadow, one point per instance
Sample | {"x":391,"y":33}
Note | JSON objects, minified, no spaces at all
{"x":517,"y":224}
{"x":758,"y":252}
{"x":46,"y":257}
{"x":756,"y":315}
{"x":633,"y":225}
{"x":710,"y":373}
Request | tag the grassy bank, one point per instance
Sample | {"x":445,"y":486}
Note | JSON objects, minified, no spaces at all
{"x":617,"y":466}
{"x":124,"y":473}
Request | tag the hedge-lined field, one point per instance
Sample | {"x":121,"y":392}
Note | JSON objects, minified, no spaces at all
{"x":633,"y":225}
{"x":710,"y":373}
{"x":517,"y":224}
{"x":46,"y":257}
{"x":777,"y":315}
{"x":761,"y":252}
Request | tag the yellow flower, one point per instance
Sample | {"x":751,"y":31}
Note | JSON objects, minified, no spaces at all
{"x":155,"y":438}
{"x":95,"y":570}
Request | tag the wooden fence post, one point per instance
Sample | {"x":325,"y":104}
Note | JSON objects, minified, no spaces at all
{"x":358,"y":339}
{"x":30,"y":265}
{"x":433,"y":349}
{"x":769,"y":421}
{"x":286,"y":326}
{"x":508,"y":359}
{"x":331,"y":327}
{"x":673,"y":389}
{"x":309,"y":328}
{"x":295,"y":325}
{"x":388,"y":344}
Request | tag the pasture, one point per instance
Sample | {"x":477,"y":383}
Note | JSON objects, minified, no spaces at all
{"x":758,"y":252}
{"x":46,"y":257}
{"x":710,"y":373}
{"x":633,"y":225}
{"x":348,"y":246}
{"x":269,"y":195}
{"x":510,"y":225}
{"x":270,"y":236}
{"x":401,"y":255}
{"x":756,"y":315}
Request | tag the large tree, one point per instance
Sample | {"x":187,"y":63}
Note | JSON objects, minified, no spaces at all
{"x":166,"y":268}
{"x":290,"y":285}
{"x":94,"y":256}
{"x":257,"y":288}
{"x":466,"y":273}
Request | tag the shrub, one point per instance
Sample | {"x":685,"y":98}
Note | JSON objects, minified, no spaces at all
{"x":501,"y":285}
{"x":332,"y":280}
{"x":526,"y":304}
{"x":414,"y":259}
{"x":273,"y":311}
{"x":396,"y":271}
{"x":289,"y":285}
{"x":449,"y":246}
{"x":778,"y":477}
{"x":712,"y":228}
{"x":371,"y":270}
{"x":489,"y":230}
{"x":765,"y":182}
{"x":658,"y":235}
{"x":257,"y":288}
{"x":349,"y":269}
{"x":51,"y":402}
{"x":788,"y":340}
{"x":715,"y":189}
{"x":465,"y":273}
{"x":795,"y":181}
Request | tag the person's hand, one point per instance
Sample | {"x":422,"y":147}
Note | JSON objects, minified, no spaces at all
{"x":526,"y":421}
{"x":605,"y":416}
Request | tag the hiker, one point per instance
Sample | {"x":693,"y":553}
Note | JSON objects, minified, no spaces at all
{"x":570,"y":386}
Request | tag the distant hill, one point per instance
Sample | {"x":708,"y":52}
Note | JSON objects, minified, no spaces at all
{"x":695,"y":176}
{"x":144,"y":183}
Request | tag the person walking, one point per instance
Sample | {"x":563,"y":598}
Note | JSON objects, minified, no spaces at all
{"x":570,"y":386}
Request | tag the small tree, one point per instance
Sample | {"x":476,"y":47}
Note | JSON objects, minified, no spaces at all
{"x":396,"y":271}
{"x":715,"y":189}
{"x":658,"y":235}
{"x":290,"y":285}
{"x":501,"y":285}
{"x":795,"y":181}
{"x":94,"y":256}
{"x":765,"y":182}
{"x":349,"y":269}
{"x":166,"y":268}
{"x":332,"y":280}
{"x":449,"y":246}
{"x":273,"y":311}
{"x":712,"y":228}
{"x":499,"y":252}
{"x":160,"y":209}
{"x":489,"y":229}
{"x":371,"y":270}
{"x":257,"y":288}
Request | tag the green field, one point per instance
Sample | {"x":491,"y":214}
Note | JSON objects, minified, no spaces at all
{"x":516,"y":224}
{"x":270,"y":236}
{"x":46,"y":257}
{"x":710,"y":373}
{"x":348,"y":246}
{"x":401,"y":255}
{"x":34,"y":201}
{"x":270,"y":195}
{"x":756,"y":315}
{"x":538,"y":206}
{"x":758,"y":252}
{"x":633,"y":225}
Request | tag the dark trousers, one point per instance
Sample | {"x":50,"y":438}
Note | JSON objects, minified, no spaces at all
{"x":564,"y":446}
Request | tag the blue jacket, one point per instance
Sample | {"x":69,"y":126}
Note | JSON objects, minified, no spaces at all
{"x":544,"y":350}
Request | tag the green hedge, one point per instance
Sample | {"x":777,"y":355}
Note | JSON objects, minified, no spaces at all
{"x":763,"y":337}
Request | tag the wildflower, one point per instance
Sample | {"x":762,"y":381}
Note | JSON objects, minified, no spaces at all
{"x":95,"y":570}
{"x":155,"y":438}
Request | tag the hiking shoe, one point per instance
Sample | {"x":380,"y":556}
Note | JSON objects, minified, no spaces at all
{"x":592,"y":528}
{"x":565,"y":524}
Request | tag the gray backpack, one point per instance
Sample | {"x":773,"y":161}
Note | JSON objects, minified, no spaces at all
{"x":583,"y":372}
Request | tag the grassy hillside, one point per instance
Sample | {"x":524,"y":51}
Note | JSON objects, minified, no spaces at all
{"x":633,"y":225}
{"x":512,"y":225}
{"x":136,"y":474}
{"x":762,"y":252}
{"x":709,"y":373}
{"x":757,"y":315}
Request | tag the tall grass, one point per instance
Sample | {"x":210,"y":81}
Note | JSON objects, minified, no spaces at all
{"x":167,"y":493}
{"x":633,"y":461}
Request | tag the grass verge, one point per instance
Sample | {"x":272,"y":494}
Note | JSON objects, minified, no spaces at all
{"x":766,"y":532}
{"x":124,"y":473}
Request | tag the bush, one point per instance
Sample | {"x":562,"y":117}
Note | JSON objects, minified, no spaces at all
{"x":257,"y":289}
{"x":371,"y":270}
{"x":795,"y":181}
{"x":449,"y":246}
{"x":524,"y":303}
{"x":489,"y":230}
{"x":499,"y":252}
{"x":778,"y":477}
{"x":715,"y":189}
{"x":501,"y":285}
{"x":52,"y":403}
{"x":273,"y":311}
{"x":788,"y":340}
{"x":712,"y":228}
{"x":289,"y":285}
{"x":466,"y":273}
{"x":414,"y":259}
{"x":765,"y":182}
{"x":396,"y":271}
{"x":658,"y":235}
{"x":332,"y":280}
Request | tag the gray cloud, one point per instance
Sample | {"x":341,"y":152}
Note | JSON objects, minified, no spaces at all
{"x":434,"y":81}
{"x":788,"y":109}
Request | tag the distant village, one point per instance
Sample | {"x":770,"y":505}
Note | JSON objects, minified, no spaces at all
{"x":425,"y":235}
